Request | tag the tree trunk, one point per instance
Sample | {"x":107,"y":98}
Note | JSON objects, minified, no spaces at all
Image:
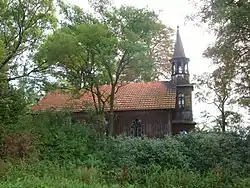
{"x":111,"y":123}
{"x":223,"y":119}
{"x":111,"y":112}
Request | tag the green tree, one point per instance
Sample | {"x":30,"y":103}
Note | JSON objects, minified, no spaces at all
{"x":93,"y":50}
{"x":217,"y":89}
{"x":160,"y":44}
{"x":23,"y":25}
{"x":229,"y":20}
{"x":82,"y":55}
{"x":161,"y":51}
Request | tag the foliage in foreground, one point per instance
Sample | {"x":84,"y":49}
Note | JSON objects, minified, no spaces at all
{"x":55,"y":151}
{"x":46,"y":174}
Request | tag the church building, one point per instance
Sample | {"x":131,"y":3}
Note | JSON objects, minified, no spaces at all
{"x":153,"y":109}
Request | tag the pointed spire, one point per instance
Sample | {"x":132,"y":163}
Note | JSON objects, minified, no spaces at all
{"x":178,"y":47}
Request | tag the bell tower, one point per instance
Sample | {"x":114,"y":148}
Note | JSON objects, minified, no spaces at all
{"x":182,"y":118}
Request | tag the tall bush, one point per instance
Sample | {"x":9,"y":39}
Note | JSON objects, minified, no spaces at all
{"x":207,"y":151}
{"x":60,"y":138}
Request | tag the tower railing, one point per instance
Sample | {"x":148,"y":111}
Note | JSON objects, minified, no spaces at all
{"x":185,"y":115}
{"x":180,"y":79}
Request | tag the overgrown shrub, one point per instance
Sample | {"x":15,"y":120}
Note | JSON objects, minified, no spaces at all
{"x":202,"y":152}
{"x":18,"y":145}
{"x":206,"y":159}
{"x":12,"y":105}
{"x":207,"y":151}
{"x":60,"y":139}
{"x":126,"y":151}
{"x":3,"y":168}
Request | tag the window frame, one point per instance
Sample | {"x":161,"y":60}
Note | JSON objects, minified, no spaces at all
{"x":181,"y":100}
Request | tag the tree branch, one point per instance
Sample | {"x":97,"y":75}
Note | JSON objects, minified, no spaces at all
{"x":11,"y":55}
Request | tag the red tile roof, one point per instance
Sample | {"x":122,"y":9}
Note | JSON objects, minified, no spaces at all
{"x":133,"y":96}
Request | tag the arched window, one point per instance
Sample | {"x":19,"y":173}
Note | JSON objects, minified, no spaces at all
{"x":181,"y":100}
{"x":180,"y":69}
{"x":137,"y":127}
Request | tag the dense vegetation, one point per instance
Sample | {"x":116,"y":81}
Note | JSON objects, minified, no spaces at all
{"x":50,"y":150}
{"x":116,"y":45}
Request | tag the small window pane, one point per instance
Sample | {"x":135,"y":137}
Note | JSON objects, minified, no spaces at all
{"x":181,"y":100}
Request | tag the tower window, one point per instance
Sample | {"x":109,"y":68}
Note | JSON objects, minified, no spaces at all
{"x":180,"y":69}
{"x":181,"y":100}
{"x":186,"y":68}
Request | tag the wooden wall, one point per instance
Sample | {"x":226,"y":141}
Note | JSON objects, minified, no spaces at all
{"x":157,"y":123}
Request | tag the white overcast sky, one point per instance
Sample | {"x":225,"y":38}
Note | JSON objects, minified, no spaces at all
{"x":173,"y":12}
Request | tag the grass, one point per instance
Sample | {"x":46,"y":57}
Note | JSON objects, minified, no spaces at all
{"x":48,"y":174}
{"x":52,"y":175}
